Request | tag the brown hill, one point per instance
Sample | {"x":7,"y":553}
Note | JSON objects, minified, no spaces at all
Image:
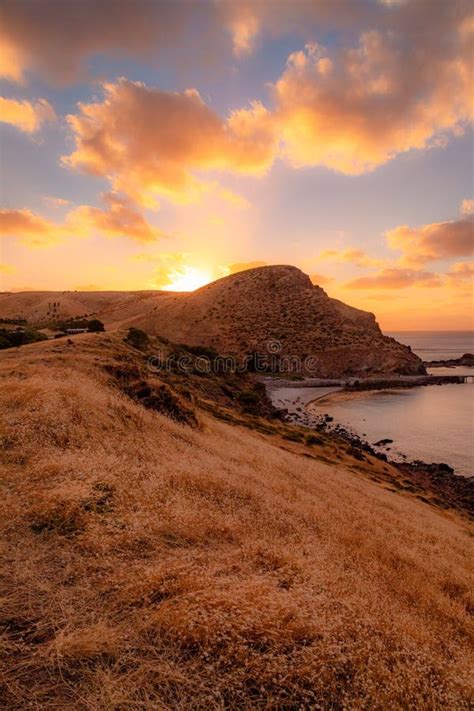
{"x":150,"y":565}
{"x":270,"y":310}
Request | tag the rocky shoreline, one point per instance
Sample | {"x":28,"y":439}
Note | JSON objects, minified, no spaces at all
{"x":465,"y":360}
{"x":438,"y":480}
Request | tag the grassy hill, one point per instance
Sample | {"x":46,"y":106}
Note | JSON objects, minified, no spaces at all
{"x":149,"y":564}
{"x":268,"y":309}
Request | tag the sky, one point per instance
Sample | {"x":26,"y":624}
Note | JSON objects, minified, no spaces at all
{"x":152,"y":144}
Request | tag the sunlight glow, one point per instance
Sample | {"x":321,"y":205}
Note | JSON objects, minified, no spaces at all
{"x":188,"y":279}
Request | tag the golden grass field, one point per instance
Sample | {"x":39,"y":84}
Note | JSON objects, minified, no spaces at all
{"x":149,"y":565}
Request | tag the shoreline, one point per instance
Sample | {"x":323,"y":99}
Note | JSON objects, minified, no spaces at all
{"x":450,"y":490}
{"x":439,"y":479}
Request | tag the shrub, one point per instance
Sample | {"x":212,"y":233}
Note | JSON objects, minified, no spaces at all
{"x":137,"y":339}
{"x":96,"y":326}
{"x":312,"y":439}
{"x":19,"y":337}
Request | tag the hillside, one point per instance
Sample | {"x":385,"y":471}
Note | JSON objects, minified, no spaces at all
{"x":149,"y":564}
{"x":269,"y":310}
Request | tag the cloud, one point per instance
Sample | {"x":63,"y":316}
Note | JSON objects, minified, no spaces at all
{"x":349,"y":109}
{"x":245,"y":20}
{"x":170,"y":266}
{"x":395,"y":278}
{"x":56,"y":201}
{"x":30,"y":229}
{"x":351,"y":255}
{"x":319,"y":279}
{"x":24,"y":115}
{"x":244,"y":28}
{"x":7,"y":268}
{"x":149,"y":142}
{"x":400,"y":88}
{"x":243,"y":266}
{"x":120,"y":218}
{"x":461,"y":273}
{"x":467,"y":207}
{"x":53,"y":38}
{"x":439,"y":240}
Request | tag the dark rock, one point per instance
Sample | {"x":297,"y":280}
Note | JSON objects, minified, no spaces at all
{"x":467,"y":360}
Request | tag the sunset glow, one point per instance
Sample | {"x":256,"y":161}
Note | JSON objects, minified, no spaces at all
{"x":236,"y":354}
{"x":337,"y":138}
{"x":189,"y":279}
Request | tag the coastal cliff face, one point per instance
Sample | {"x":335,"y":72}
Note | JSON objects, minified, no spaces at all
{"x":278,"y":311}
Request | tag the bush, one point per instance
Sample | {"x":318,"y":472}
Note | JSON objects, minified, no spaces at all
{"x":93,"y":325}
{"x":137,"y":339}
{"x":19,"y":337}
{"x":96,"y":326}
{"x":201,"y":351}
{"x":312,"y":439}
{"x":249,"y":397}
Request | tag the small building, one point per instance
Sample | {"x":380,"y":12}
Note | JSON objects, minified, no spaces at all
{"x":73,"y":331}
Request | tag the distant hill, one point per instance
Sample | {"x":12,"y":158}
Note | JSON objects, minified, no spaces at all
{"x":270,"y":310}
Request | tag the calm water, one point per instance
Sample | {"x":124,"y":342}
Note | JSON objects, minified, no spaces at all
{"x":434,"y":423}
{"x":437,"y":345}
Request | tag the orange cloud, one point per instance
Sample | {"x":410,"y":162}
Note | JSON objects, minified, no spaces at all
{"x":319,"y":279}
{"x":24,"y":115}
{"x":439,"y":240}
{"x":467,"y":207}
{"x":243,"y":266}
{"x":352,"y":110}
{"x":6,"y":269}
{"x":461,"y":273}
{"x":149,"y":142}
{"x":395,"y":278}
{"x":119,"y":219}
{"x":244,"y":28}
{"x":354,"y":256}
{"x":246,"y":19}
{"x":30,"y":229}
{"x":56,"y":201}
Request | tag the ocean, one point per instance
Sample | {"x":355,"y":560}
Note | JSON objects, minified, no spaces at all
{"x":434,"y":423}
{"x":436,"y":345}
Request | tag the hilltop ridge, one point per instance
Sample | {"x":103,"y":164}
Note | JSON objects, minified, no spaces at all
{"x":272,"y":309}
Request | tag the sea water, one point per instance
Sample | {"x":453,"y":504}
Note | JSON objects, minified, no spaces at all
{"x":434,"y":423}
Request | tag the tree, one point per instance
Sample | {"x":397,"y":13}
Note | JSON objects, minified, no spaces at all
{"x":96,"y":326}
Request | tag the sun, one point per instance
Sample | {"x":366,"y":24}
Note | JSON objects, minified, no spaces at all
{"x":188,"y":279}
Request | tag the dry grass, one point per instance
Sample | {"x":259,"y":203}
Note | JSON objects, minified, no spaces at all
{"x":147,"y":565}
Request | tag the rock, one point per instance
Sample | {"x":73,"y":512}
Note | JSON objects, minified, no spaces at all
{"x":383,"y":442}
{"x":467,"y":360}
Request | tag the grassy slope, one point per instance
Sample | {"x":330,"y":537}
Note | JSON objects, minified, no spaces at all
{"x":149,"y":565}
